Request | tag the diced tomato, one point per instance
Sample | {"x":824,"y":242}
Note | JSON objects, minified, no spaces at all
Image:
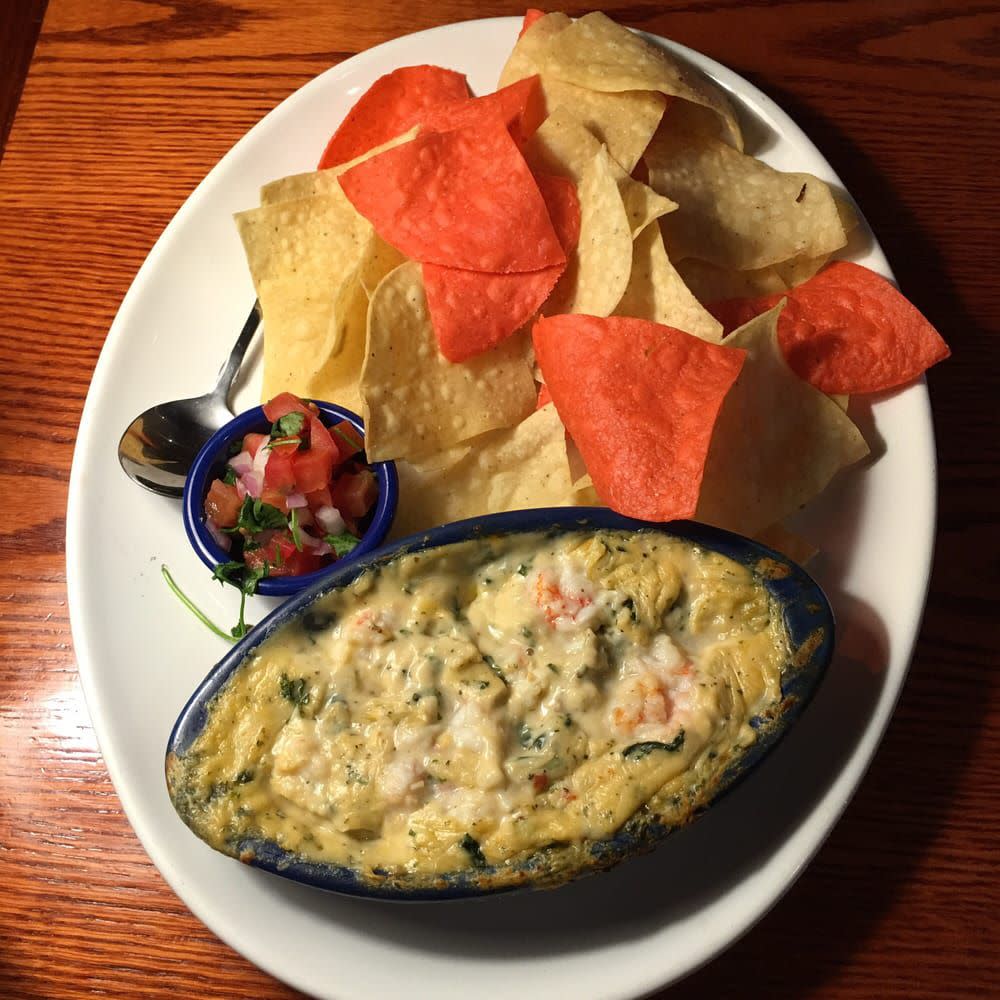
{"x":319,"y":498}
{"x":314,"y":466}
{"x":347,"y":437}
{"x":252,"y":442}
{"x":282,"y":557}
{"x":279,"y":473}
{"x":354,"y":493}
{"x":285,"y":402}
{"x":276,"y":498}
{"x":223,"y":504}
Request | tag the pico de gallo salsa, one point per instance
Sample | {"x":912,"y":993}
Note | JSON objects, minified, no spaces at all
{"x":292,"y":500}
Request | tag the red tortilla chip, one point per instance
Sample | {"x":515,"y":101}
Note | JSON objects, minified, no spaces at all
{"x":530,"y":16}
{"x":521,"y":106}
{"x":463,"y":198}
{"x":394,"y":103}
{"x":846,"y":330}
{"x":472,"y":311}
{"x":563,"y":205}
{"x":640,"y":401}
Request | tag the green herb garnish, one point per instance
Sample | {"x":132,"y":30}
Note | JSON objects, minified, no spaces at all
{"x":245,"y":579}
{"x":191,"y":606}
{"x":229,"y":476}
{"x":294,"y":690}
{"x":256,"y":516}
{"x":343,"y":543}
{"x":289,"y":425}
{"x":639,"y":750}
{"x":470,"y":845}
{"x":293,"y":527}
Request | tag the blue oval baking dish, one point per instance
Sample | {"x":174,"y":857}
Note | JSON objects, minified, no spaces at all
{"x":808,"y":622}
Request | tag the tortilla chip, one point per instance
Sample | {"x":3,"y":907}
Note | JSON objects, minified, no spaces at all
{"x":624,"y":122}
{"x":656,"y":292}
{"x":338,"y":378}
{"x":473,"y":311}
{"x":847,"y":330}
{"x":531,"y":15}
{"x":416,"y":402}
{"x":737,"y":212}
{"x":504,"y":470}
{"x":597,"y":53}
{"x":777,"y":443}
{"x":463,"y":198}
{"x":324,"y":181}
{"x":306,"y":257}
{"x":562,"y":145}
{"x":393,"y":104}
{"x":712,"y":284}
{"x":639,"y":401}
{"x":597,"y":272}
{"x":520,"y":106}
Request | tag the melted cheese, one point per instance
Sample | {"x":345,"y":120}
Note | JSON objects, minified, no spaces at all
{"x":518,"y":691}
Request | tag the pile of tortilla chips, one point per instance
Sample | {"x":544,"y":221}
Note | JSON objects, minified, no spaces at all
{"x":577,"y":290}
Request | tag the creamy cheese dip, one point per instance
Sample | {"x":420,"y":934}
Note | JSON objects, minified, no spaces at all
{"x":471,"y":704}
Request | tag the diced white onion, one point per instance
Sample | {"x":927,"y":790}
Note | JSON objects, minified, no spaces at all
{"x":296,"y":500}
{"x":241,"y":463}
{"x":218,"y":535}
{"x":254,"y":483}
{"x":329,"y":520}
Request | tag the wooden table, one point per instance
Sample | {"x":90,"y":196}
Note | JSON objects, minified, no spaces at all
{"x":127,"y":105}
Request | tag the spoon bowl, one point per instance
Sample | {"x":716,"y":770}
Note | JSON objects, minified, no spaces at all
{"x":159,"y":447}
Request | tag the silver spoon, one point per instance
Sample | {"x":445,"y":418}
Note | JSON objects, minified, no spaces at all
{"x":158,"y":448}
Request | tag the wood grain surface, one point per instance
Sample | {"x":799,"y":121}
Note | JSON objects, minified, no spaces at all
{"x":129,"y":103}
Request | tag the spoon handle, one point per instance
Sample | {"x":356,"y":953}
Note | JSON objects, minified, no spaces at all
{"x":227,"y":373}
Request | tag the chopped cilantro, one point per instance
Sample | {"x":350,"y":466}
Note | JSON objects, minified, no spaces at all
{"x":229,"y":476}
{"x":255,"y":516}
{"x":191,"y":606}
{"x":470,"y":845}
{"x":294,"y":690}
{"x":293,"y":527}
{"x":289,"y":425}
{"x":639,"y":750}
{"x":343,"y":543}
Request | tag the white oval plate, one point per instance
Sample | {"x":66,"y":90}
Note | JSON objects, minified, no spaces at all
{"x":140,"y":654}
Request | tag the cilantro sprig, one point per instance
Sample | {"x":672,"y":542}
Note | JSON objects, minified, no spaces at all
{"x":245,"y":579}
{"x":343,"y":543}
{"x":290,"y":425}
{"x":256,"y":516}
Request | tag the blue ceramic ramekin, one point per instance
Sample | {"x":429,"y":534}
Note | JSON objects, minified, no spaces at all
{"x":210,"y":464}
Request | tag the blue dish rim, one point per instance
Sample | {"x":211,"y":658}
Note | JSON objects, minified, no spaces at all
{"x":213,"y":454}
{"x":808,"y":620}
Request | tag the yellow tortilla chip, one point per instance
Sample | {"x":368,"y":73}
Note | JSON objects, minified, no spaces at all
{"x":416,"y":402}
{"x":306,"y":257}
{"x":735,"y":211}
{"x":562,"y":145}
{"x":597,"y":53}
{"x":777,"y":442}
{"x":624,"y":122}
{"x":710,"y":283}
{"x":512,"y":469}
{"x":656,"y":291}
{"x":323,"y":182}
{"x":597,"y":271}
